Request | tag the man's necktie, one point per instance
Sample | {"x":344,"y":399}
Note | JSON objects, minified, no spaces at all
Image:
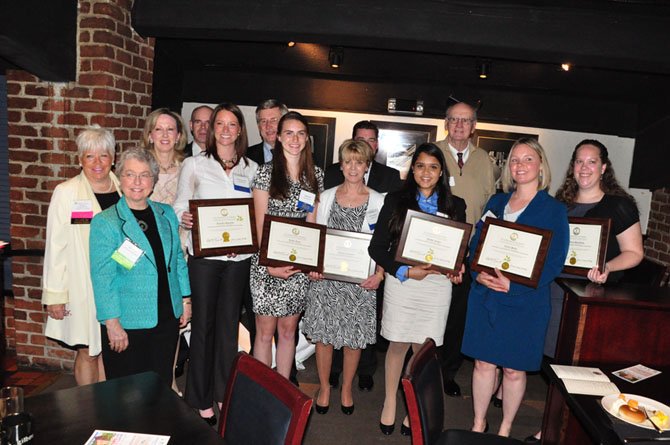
{"x":460,"y":162}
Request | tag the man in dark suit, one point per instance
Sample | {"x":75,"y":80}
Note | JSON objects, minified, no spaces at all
{"x":199,"y":124}
{"x":382,"y":179}
{"x":379,"y":177}
{"x":268,"y":114}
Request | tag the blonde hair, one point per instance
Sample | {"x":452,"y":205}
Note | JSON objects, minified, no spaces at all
{"x":149,"y":125}
{"x":545,"y":172}
{"x":353,"y":148}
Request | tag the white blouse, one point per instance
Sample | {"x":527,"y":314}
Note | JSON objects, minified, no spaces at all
{"x":203,"y":177}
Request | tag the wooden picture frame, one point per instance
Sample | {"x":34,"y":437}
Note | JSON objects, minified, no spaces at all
{"x":226,"y":222}
{"x":605,"y":227}
{"x":283,"y":245}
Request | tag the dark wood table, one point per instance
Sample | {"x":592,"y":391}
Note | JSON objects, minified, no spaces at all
{"x":605,"y":326}
{"x":600,"y":426}
{"x":141,"y":403}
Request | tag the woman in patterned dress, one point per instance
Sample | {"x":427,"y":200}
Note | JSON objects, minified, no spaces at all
{"x":165,"y":138}
{"x":340,"y":314}
{"x":278,"y":293}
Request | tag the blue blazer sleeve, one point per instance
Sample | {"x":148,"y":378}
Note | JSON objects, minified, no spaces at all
{"x":103,"y":268}
{"x":182,"y":268}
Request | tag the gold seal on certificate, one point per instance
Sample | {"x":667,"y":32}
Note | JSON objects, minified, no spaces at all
{"x":432,"y":239}
{"x":519,"y":251}
{"x":294,"y":242}
{"x":346,"y":256}
{"x":223,"y":226}
{"x":588,"y":245}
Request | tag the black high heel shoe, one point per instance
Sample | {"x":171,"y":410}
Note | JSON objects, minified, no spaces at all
{"x":405,"y":430}
{"x":386,"y":430}
{"x":211,"y":421}
{"x":496,"y":401}
{"x":348,"y":410}
{"x":320,"y":409}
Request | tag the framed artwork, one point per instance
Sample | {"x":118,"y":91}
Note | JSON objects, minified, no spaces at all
{"x":498,"y":143}
{"x":322,"y":136}
{"x":398,"y":140}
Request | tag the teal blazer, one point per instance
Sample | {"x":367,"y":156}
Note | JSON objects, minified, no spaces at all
{"x":132,"y":295}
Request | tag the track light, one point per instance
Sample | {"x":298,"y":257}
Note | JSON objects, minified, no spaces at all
{"x":336,"y":56}
{"x":565,"y":66}
{"x":291,"y":44}
{"x":484,"y":69}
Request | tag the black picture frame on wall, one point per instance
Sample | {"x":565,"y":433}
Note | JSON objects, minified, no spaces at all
{"x":398,"y":140}
{"x":322,"y":134}
{"x":499,"y":143}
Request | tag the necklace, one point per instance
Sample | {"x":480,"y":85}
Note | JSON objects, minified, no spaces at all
{"x":229,"y":163}
{"x":165,"y":169}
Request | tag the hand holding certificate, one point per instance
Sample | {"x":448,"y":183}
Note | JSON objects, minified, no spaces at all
{"x":517,"y":250}
{"x":292,"y":242}
{"x":223,"y":226}
{"x":434,"y":240}
{"x":588,"y":245}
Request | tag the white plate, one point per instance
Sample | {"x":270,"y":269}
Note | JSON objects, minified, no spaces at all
{"x":650,"y":404}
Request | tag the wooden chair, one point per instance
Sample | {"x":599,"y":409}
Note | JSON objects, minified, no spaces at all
{"x":262,"y":407}
{"x":424,"y":394}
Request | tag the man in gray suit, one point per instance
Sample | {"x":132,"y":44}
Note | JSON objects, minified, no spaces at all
{"x":268,"y":114}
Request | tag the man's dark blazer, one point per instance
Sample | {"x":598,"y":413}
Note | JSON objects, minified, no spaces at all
{"x":188,"y":150}
{"x":256,"y":153}
{"x":382,"y":178}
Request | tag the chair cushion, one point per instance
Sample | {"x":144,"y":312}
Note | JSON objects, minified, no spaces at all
{"x":255,"y":415}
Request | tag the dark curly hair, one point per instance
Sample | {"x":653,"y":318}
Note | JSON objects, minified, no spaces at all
{"x":567,"y":193}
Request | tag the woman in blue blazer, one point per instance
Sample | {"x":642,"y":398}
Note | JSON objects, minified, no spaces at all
{"x":139,"y":275}
{"x":506,"y":322}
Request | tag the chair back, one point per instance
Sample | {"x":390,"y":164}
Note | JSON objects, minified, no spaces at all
{"x":262,"y":407}
{"x":424,"y":393}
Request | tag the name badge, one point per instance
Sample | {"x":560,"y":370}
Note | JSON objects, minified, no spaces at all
{"x":372,"y":215}
{"x":488,"y":213}
{"x":82,"y":212}
{"x":443,"y":215}
{"x":241,"y":183}
{"x":452,"y":181}
{"x":127,"y":254}
{"x":306,"y":201}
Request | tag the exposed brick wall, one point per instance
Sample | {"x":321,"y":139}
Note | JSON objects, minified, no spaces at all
{"x":112,"y":89}
{"x":657,"y":245}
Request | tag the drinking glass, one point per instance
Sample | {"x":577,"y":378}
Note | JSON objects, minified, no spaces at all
{"x":11,"y":400}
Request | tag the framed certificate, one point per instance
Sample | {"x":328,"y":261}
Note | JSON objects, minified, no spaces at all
{"x":346,"y":256}
{"x":292,"y":242}
{"x":223,"y":226}
{"x":519,"y":251}
{"x":432,"y":239}
{"x":588,"y":244}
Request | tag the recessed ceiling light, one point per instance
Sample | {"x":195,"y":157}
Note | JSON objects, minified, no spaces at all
{"x":291,"y":44}
{"x":565,"y":66}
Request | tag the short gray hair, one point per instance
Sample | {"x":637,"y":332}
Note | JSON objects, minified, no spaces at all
{"x":474,"y":110}
{"x":96,"y":139}
{"x":139,"y":154}
{"x":269,"y":104}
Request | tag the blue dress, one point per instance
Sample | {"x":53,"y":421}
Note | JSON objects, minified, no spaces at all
{"x":508,"y":329}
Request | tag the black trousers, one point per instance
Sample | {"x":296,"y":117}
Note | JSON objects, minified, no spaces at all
{"x":450,"y":351}
{"x":217,"y":291}
{"x":148,"y":350}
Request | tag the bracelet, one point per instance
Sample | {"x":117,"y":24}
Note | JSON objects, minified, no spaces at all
{"x":187,"y":302}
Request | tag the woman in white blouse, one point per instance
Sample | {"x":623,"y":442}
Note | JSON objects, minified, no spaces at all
{"x":217,"y":283}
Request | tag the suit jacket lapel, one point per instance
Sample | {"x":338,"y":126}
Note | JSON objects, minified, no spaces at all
{"x":132,"y":230}
{"x":164,"y":231}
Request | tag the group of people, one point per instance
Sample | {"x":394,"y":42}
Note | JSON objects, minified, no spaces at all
{"x":121,"y":278}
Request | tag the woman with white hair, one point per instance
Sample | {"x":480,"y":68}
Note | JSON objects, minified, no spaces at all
{"x":66,"y":285}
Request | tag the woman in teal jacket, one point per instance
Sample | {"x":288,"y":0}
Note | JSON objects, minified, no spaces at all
{"x":139,"y":275}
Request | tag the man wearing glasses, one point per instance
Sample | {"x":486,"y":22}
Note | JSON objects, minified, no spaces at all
{"x":268,"y":114}
{"x":472,"y":176}
{"x":382,"y":179}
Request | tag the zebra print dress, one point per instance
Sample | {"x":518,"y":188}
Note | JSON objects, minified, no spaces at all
{"x":339,"y":313}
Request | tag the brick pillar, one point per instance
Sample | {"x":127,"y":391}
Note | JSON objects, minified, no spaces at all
{"x":657,"y":245}
{"x":112,"y":89}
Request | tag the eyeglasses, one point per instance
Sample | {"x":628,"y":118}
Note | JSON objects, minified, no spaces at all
{"x":132,"y":176}
{"x":462,"y":120}
{"x":265,"y":122}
